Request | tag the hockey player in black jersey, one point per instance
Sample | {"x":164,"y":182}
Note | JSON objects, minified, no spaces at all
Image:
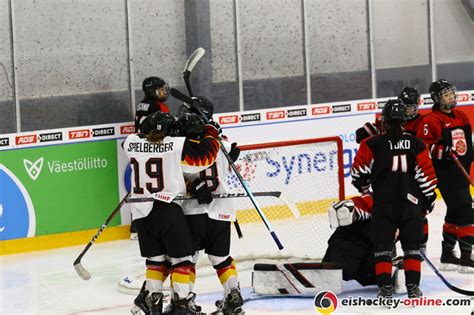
{"x":397,"y":167}
{"x":156,"y":92}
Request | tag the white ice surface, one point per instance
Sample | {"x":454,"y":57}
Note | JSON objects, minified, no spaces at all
{"x":45,"y":282}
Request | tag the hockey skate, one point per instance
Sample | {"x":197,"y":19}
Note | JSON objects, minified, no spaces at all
{"x":186,"y":306}
{"x":449,"y":262}
{"x":146,"y":303}
{"x":414,"y":291}
{"x":232,"y":305}
{"x":466,"y":263}
{"x":386,"y":293}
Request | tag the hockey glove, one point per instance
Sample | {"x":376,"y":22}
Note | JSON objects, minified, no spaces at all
{"x":200,"y":190}
{"x":213,"y":128}
{"x":341,"y":214}
{"x":440,"y":152}
{"x":430,"y":203}
{"x":234,"y":152}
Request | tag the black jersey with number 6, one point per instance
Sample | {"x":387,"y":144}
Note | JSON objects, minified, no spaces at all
{"x":396,"y":171}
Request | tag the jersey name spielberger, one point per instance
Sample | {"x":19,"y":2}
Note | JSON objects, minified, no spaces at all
{"x":150,"y":147}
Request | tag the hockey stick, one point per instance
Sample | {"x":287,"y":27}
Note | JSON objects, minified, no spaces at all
{"x":167,"y":197}
{"x":454,"y":156}
{"x":81,"y":271}
{"x":190,"y":63}
{"x":449,"y":285}
{"x":188,"y":67}
{"x":191,"y":103}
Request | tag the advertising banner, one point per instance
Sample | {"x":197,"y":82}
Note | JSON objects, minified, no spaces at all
{"x":54,"y":189}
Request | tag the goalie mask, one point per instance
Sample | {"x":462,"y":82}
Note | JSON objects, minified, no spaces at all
{"x":156,"y":88}
{"x":443,"y":94}
{"x":162,"y":122}
{"x":411,"y":98}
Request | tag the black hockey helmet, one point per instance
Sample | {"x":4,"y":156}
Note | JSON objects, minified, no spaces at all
{"x":160,"y":121}
{"x":443,"y":94}
{"x":205,"y":105}
{"x":394,"y":110}
{"x":156,"y":87}
{"x":411,"y":98}
{"x":190,"y":124}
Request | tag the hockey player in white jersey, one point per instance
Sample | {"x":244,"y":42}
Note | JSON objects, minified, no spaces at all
{"x":210,"y":220}
{"x":159,"y":158}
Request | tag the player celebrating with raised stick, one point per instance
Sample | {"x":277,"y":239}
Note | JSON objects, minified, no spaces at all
{"x":398,"y":168}
{"x":210,"y":220}
{"x":159,"y":158}
{"x":447,"y":132}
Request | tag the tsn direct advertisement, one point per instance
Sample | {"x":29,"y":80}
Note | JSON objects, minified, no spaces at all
{"x":70,"y":179}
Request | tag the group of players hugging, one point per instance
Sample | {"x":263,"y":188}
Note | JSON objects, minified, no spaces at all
{"x":403,"y":157}
{"x":180,"y":155}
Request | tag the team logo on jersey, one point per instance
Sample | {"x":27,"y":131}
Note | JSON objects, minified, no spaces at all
{"x":325,"y":302}
{"x":33,"y":168}
{"x":17,"y":215}
{"x":459,"y":141}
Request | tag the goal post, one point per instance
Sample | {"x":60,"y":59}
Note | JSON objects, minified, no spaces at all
{"x":308,"y":172}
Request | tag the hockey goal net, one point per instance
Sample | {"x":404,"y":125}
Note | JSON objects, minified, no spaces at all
{"x":308,"y":173}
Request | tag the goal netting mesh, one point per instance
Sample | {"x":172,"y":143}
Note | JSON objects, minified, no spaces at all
{"x":308,"y":173}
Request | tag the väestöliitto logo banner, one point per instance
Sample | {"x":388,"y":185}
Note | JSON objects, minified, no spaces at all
{"x":33,"y":169}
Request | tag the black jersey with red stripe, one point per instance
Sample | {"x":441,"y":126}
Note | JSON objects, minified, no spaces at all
{"x":396,"y":171}
{"x":147,"y":107}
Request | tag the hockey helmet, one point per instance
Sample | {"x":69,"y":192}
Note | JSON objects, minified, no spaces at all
{"x":190,"y":125}
{"x":411,"y":98}
{"x":156,"y":87}
{"x":160,"y":121}
{"x":443,"y":94}
{"x":394,"y":110}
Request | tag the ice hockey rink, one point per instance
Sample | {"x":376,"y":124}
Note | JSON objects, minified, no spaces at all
{"x":45,"y":282}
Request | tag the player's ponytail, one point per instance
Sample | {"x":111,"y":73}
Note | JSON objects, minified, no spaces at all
{"x":394,"y":130}
{"x":155,"y":136}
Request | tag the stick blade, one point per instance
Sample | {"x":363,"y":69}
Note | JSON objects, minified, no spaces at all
{"x":193,"y":59}
{"x":82,"y":272}
{"x":294,"y":209}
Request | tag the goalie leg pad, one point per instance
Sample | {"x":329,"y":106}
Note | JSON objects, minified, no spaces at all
{"x":296,"y":279}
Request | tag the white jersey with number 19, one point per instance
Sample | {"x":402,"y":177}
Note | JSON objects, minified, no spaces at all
{"x":159,"y":167}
